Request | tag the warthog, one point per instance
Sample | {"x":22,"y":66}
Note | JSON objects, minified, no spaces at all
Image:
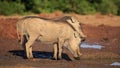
{"x":55,"y":32}
{"x":75,"y":24}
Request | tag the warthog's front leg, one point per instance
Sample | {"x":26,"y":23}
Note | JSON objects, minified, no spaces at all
{"x":55,"y":49}
{"x":60,"y":44}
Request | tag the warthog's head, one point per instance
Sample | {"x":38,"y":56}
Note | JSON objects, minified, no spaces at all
{"x":76,"y":26}
{"x":74,"y":45}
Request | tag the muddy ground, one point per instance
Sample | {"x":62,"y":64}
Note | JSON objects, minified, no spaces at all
{"x":100,"y":29}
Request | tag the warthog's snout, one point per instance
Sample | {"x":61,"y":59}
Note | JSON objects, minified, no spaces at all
{"x":83,"y":38}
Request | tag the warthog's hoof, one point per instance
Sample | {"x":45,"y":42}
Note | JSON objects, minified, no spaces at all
{"x":59,"y":59}
{"x":32,"y":59}
{"x":77,"y":58}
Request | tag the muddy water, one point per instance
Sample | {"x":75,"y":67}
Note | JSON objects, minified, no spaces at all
{"x":15,"y":59}
{"x":115,"y":64}
{"x":47,"y":63}
{"x":102,"y":63}
{"x":93,"y":46}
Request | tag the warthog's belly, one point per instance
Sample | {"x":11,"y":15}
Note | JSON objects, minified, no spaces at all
{"x":47,"y":39}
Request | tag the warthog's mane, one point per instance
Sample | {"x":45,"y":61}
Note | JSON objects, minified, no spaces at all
{"x":59,"y":19}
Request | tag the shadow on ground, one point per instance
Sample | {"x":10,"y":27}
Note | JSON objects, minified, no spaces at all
{"x":38,"y":54}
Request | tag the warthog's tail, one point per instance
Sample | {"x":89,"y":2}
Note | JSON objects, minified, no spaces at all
{"x":22,"y":36}
{"x":20,"y":29}
{"x":18,"y":32}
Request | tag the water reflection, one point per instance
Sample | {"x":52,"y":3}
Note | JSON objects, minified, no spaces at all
{"x":115,"y":64}
{"x":94,"y":46}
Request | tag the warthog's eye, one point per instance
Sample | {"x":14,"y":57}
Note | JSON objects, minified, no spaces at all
{"x":75,"y":35}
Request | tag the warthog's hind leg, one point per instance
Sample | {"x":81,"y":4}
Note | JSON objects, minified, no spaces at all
{"x":29,"y":47}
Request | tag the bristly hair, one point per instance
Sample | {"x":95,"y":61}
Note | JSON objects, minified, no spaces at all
{"x":55,"y":20}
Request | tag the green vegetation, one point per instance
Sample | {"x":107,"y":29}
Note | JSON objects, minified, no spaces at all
{"x":10,"y":7}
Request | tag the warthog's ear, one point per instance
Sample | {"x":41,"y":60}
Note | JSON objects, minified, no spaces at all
{"x":72,"y":19}
{"x":68,"y":19}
